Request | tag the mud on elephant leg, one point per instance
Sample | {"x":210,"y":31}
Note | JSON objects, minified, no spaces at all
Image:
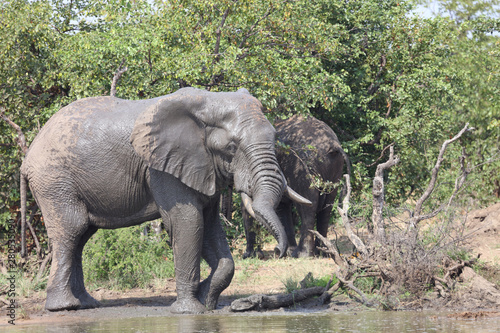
{"x":78,"y":288}
{"x":186,"y":238}
{"x":217,"y":254}
{"x":65,"y":290}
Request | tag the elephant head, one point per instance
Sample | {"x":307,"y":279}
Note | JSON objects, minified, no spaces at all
{"x":209,"y":140}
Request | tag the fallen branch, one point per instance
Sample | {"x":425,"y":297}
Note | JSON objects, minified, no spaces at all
{"x":329,"y":249}
{"x":349,"y":283}
{"x":267,"y":302}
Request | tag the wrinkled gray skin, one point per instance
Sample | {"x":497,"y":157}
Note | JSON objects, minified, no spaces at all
{"x":325,"y":160}
{"x":110,"y":163}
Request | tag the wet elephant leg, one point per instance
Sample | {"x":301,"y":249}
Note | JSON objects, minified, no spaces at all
{"x":78,"y":286}
{"x":217,"y":254}
{"x":181,"y":209}
{"x":186,"y":234}
{"x":66,"y":225}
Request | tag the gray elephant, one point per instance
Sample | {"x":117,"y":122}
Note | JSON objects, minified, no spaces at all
{"x":110,"y":163}
{"x":310,"y":150}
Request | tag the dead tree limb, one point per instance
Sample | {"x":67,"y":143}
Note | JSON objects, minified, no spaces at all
{"x":118,"y":74}
{"x":267,"y":302}
{"x":358,"y":243}
{"x":350,"y":284}
{"x":417,"y":214}
{"x":378,"y":196}
{"x":330,"y":248}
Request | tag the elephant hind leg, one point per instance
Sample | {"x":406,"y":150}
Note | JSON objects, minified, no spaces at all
{"x":78,"y":287}
{"x":66,"y":225}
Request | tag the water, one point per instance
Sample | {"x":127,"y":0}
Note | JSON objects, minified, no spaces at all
{"x":376,"y":321}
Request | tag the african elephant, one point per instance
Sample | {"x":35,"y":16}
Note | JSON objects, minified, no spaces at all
{"x":109,"y":163}
{"x":314,"y":152}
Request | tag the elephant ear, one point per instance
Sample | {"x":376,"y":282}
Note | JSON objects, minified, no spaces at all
{"x":170,"y":138}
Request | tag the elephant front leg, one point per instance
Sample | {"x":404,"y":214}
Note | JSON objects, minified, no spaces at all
{"x":187,"y":237}
{"x":217,"y":254}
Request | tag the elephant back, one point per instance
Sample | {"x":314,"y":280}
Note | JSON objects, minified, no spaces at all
{"x":313,"y":147}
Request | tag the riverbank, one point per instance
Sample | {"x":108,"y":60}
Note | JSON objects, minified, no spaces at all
{"x":472,"y":294}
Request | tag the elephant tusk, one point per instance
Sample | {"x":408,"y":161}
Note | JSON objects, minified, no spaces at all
{"x":247,"y":202}
{"x":297,"y":197}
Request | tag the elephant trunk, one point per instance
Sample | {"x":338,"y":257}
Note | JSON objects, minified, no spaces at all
{"x":267,"y":187}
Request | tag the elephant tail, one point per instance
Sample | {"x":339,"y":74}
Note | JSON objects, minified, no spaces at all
{"x":22,"y":191}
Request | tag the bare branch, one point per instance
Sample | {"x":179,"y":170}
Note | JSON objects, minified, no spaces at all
{"x":417,"y":217}
{"x":381,"y":155}
{"x":435,"y":170}
{"x":330,"y":249}
{"x":358,"y":243}
{"x":118,"y":74}
{"x":250,"y":31}
{"x":218,"y":33}
{"x":378,"y":196}
{"x":21,"y":139}
{"x":350,"y":285}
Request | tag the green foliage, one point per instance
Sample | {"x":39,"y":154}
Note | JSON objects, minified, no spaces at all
{"x":309,"y":281}
{"x":126,"y":258}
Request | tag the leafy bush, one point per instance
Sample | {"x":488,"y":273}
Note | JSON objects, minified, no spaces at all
{"x":126,"y":258}
{"x":308,"y":282}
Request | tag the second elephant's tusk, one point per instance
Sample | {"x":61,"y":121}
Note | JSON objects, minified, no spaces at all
{"x":297,"y":197}
{"x":247,"y":202}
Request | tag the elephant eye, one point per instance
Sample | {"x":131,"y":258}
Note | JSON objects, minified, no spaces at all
{"x":231,"y":148}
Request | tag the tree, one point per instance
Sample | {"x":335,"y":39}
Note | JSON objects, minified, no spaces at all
{"x":376,"y":74}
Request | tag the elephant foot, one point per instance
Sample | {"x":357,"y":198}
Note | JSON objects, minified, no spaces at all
{"x":187,"y":306}
{"x":63,"y":301}
{"x":88,"y":302}
{"x":302,"y":253}
{"x":253,"y":254}
{"x":290,"y":250}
